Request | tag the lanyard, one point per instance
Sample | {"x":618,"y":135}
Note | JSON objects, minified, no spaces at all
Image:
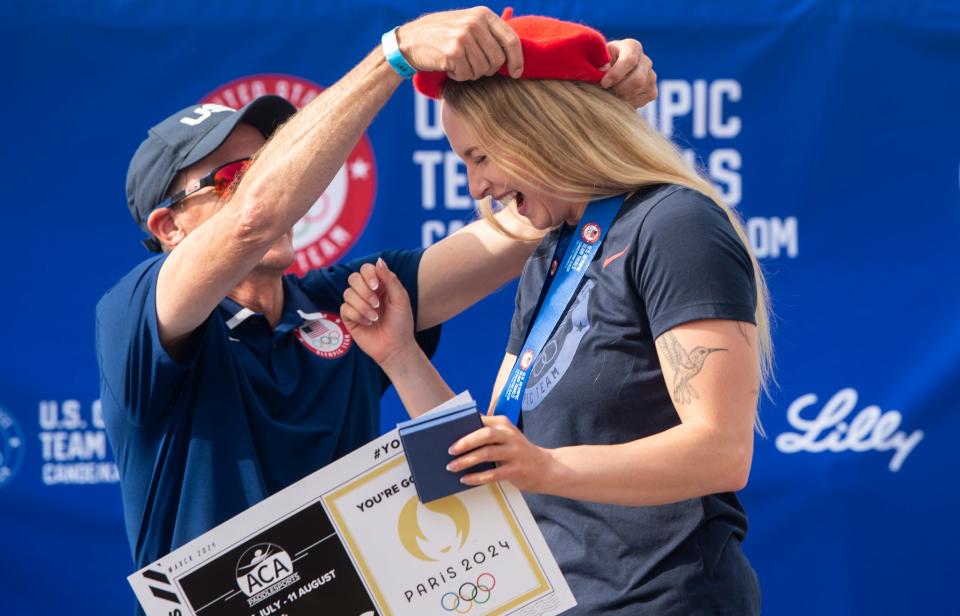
{"x":570,"y":260}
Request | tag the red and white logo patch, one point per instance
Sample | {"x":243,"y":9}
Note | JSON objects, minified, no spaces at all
{"x":337,"y":219}
{"x":325,"y":336}
{"x":590,"y":232}
{"x":526,"y":360}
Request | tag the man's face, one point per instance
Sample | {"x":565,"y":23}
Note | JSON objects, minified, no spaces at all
{"x":243,"y":142}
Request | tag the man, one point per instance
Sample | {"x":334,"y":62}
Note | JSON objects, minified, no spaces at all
{"x":223,"y":381}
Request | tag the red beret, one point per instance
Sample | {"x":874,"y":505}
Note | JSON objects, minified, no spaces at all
{"x":552,"y":49}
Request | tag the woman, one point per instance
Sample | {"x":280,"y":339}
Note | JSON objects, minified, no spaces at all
{"x":638,"y":412}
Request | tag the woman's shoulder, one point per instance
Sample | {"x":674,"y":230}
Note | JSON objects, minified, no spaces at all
{"x":671,"y":208}
{"x":672,"y":200}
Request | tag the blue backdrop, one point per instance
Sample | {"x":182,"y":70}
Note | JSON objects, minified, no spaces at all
{"x":832,"y":126}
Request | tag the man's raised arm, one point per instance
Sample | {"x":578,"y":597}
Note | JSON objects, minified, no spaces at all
{"x":295,"y":166}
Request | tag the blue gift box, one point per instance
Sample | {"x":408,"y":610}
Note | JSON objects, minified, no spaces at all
{"x":426,"y":440}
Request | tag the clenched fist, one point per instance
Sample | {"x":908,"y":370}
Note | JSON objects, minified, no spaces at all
{"x":466,"y":44}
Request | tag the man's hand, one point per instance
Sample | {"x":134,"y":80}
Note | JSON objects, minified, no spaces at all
{"x":630,"y":73}
{"x":466,"y":44}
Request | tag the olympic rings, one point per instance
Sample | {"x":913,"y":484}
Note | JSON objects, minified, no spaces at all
{"x":468,"y":594}
{"x":330,"y":339}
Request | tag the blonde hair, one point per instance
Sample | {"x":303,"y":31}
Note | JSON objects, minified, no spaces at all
{"x":573,"y":139}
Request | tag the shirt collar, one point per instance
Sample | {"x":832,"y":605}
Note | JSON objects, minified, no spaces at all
{"x":235,"y":313}
{"x":297,"y":309}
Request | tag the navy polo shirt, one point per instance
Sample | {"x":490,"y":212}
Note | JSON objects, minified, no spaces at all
{"x":249,"y":410}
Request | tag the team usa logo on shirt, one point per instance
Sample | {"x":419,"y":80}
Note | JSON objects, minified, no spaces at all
{"x":526,"y":360}
{"x":325,"y":336}
{"x":338,"y":218}
{"x":590,"y":232}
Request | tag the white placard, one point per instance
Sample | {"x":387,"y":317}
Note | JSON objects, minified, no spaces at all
{"x":353,"y":539}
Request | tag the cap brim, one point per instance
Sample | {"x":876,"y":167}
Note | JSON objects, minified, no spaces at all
{"x":265,"y":113}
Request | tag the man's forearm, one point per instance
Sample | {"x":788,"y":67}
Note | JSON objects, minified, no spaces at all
{"x":296,"y":165}
{"x":290,"y":172}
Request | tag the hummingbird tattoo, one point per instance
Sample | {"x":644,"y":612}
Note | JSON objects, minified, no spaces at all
{"x":685,"y":365}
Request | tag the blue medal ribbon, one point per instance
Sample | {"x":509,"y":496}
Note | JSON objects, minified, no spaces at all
{"x":572,"y":257}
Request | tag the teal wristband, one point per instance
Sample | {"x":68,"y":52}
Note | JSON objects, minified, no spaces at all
{"x":391,"y":51}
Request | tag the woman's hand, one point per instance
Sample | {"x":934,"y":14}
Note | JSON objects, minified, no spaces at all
{"x":518,"y":460}
{"x":377,"y":313}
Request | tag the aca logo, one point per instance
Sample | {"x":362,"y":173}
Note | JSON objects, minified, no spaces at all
{"x":263,"y":570}
{"x":449,"y":525}
{"x":11,"y":447}
{"x":337,"y":219}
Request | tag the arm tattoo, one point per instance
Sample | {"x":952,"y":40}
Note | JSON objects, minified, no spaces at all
{"x":742,"y":332}
{"x":685,"y":365}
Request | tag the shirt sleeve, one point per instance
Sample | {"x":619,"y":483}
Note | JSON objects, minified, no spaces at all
{"x":135,"y":369}
{"x":330,"y":283}
{"x":518,"y":328}
{"x":692,"y":265}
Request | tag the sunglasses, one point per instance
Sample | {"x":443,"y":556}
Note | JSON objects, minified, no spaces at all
{"x":223,"y":179}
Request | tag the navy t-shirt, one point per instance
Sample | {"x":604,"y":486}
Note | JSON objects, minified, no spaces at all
{"x":248,"y":411}
{"x":671,"y":256}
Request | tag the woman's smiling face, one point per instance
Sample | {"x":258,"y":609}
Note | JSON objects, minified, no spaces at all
{"x":487,"y":179}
